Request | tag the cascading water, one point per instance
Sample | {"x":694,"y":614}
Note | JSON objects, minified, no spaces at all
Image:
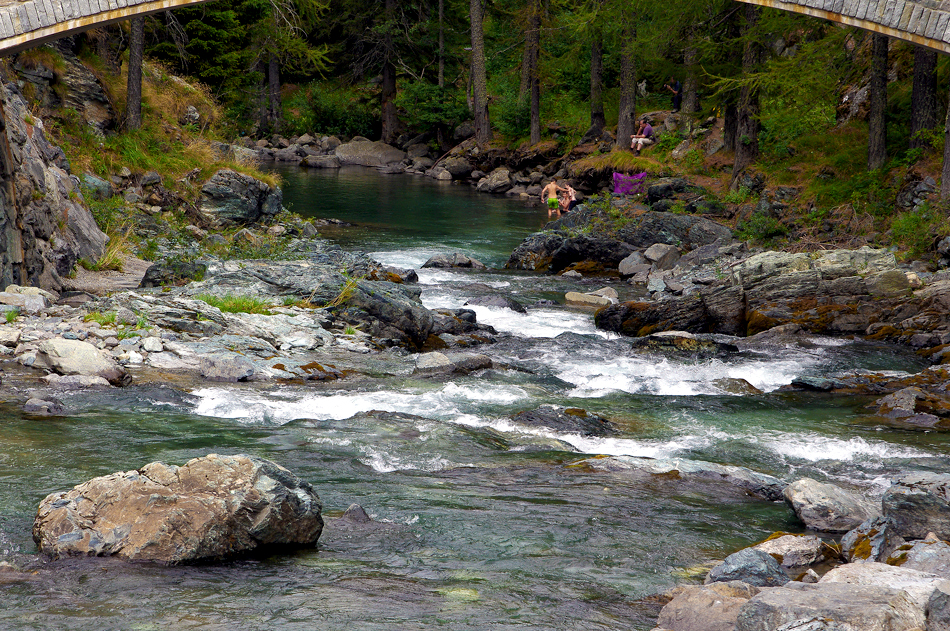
{"x":481,"y":522}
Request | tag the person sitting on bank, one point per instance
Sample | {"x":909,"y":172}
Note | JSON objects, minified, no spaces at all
{"x":549,"y":193}
{"x":643,"y":137}
{"x":568,"y":199}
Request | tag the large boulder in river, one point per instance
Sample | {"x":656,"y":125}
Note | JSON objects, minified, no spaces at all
{"x":872,"y":540}
{"x":833,"y":292}
{"x":498,"y":181}
{"x":712,"y":607}
{"x":74,"y":357}
{"x":368,"y":153}
{"x":458,"y":166}
{"x":240,"y":198}
{"x":918,"y":504}
{"x":920,"y":585}
{"x":929,"y":555}
{"x":837,"y":606}
{"x":456,"y":259}
{"x":826,"y":507}
{"x":211,"y":508}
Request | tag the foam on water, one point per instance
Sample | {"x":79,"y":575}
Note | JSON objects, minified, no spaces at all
{"x":536,"y":323}
{"x":281,"y":406}
{"x":817,"y":448}
{"x":597,"y":376}
{"x":592,"y":444}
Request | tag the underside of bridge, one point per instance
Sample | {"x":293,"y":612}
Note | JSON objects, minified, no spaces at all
{"x":925,"y":23}
{"x":34,"y":22}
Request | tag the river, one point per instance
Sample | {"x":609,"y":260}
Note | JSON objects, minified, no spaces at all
{"x":483,"y":524}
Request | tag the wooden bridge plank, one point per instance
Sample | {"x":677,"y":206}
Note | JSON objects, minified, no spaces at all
{"x":914,"y":23}
{"x":931,"y":24}
{"x":905,"y":16}
{"x":50,"y":13}
{"x":20,"y":21}
{"x":941,"y":28}
{"x":33,"y":16}
{"x":837,"y":6}
{"x":58,"y":11}
{"x":872,"y":10}
{"x":6,"y":24}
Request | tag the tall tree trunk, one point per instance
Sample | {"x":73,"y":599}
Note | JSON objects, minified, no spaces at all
{"x":533,"y":43}
{"x":877,"y":128}
{"x":730,"y":119}
{"x":747,"y":115}
{"x":441,"y":43}
{"x":627,"y":115}
{"x":479,"y":80}
{"x":133,"y":94}
{"x":390,"y":122}
{"x":263,"y":122}
{"x":945,"y":172}
{"x":597,"y":119}
{"x":273,"y":93}
{"x":690,"y":94}
{"x":923,"y":101}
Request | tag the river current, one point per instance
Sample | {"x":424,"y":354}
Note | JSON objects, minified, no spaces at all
{"x":482,"y":523}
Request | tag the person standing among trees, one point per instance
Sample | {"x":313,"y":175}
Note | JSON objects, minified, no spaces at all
{"x":676,"y":88}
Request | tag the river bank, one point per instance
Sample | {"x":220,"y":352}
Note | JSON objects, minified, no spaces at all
{"x":523,"y":466}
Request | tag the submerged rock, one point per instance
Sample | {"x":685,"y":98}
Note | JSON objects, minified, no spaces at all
{"x":456,"y":259}
{"x":568,"y":420}
{"x":497,"y":300}
{"x":210,"y":508}
{"x":754,"y":483}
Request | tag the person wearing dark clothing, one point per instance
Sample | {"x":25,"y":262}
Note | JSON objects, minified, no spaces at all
{"x":676,"y":88}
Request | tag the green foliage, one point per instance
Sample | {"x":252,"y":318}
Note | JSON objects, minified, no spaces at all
{"x":761,"y":228}
{"x":237,"y":304}
{"x":668,"y":142}
{"x":512,"y":115}
{"x":102,"y":318}
{"x":916,"y":231}
{"x":325,"y":108}
{"x":12,"y":315}
{"x":738,"y":196}
{"x":426,"y":105}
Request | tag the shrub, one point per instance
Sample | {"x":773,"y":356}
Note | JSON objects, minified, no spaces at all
{"x":321,"y":107}
{"x":761,"y":227}
{"x":237,"y":304}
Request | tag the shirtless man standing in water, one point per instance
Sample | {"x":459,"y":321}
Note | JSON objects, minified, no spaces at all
{"x":549,"y":193}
